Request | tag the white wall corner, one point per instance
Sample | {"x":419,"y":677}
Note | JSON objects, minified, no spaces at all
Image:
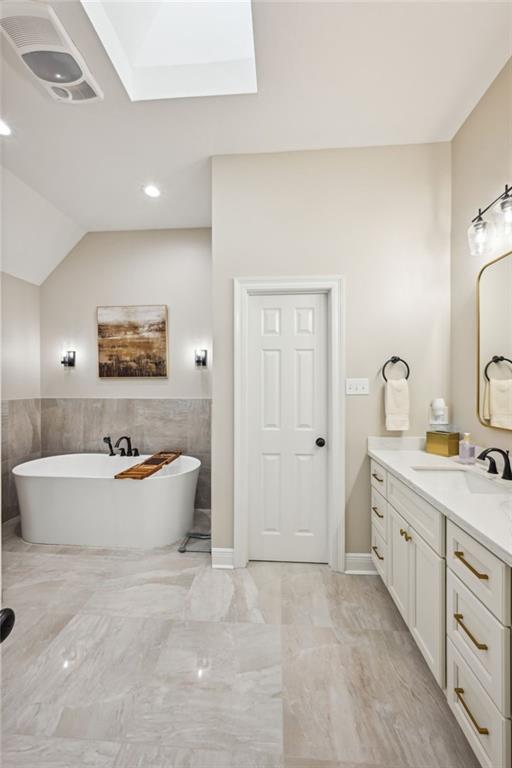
{"x":360,"y":563}
{"x":222,"y":557}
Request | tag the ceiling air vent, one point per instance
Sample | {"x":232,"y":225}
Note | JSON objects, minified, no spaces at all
{"x":42,"y":43}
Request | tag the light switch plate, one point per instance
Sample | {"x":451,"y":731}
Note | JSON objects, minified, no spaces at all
{"x":357,"y":387}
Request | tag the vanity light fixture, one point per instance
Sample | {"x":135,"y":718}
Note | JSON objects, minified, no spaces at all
{"x":69,"y":359}
{"x":151,"y":190}
{"x":479,"y":233}
{"x":201,"y":358}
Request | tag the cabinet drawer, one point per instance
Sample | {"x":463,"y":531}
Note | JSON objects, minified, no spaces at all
{"x":379,"y":554}
{"x":379,"y":513}
{"x":425,"y":518}
{"x":486,"y":729}
{"x":480,"y":639}
{"x":486,"y":576}
{"x":378,"y":477}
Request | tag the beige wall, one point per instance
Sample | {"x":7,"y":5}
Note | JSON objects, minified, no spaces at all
{"x":481,"y":166}
{"x":20,"y":339}
{"x":378,"y":216}
{"x":170,"y":267}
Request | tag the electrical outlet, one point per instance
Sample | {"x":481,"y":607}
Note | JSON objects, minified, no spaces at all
{"x":357,"y":387}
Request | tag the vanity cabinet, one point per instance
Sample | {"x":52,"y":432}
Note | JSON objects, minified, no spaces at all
{"x":478,"y":617}
{"x":412,"y":569}
{"x":455,"y":596}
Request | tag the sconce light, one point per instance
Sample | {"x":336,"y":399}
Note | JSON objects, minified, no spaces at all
{"x":201,"y":357}
{"x":69,"y":359}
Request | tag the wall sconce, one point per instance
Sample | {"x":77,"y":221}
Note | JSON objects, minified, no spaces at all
{"x":69,"y":359}
{"x":201,"y":358}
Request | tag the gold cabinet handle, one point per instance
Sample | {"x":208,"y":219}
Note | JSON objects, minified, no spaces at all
{"x":377,"y":553}
{"x":460,"y":556}
{"x":376,"y":510}
{"x":459,"y":619}
{"x":459,"y":692}
{"x":378,"y":479}
{"x":405,"y":534}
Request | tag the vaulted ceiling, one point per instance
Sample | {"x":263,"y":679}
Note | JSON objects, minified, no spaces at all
{"x":329,"y":75}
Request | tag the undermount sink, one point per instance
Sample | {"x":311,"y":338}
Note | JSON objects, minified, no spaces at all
{"x":454,"y":478}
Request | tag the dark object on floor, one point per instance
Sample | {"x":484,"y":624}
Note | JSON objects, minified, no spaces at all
{"x":191,"y":535}
{"x":7,"y":619}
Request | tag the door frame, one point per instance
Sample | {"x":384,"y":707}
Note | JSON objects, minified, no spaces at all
{"x":333,"y":286}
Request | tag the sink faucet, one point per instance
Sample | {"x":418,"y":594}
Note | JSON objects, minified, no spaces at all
{"x":507,"y":468}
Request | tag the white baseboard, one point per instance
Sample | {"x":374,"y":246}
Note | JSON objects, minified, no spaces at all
{"x":360,"y":563}
{"x":222,"y":557}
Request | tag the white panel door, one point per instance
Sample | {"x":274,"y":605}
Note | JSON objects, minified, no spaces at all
{"x":287,"y":400}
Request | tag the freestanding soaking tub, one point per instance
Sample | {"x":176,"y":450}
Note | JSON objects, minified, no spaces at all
{"x":74,"y":499}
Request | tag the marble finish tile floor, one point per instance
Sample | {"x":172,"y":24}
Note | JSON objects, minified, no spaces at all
{"x":150,"y":659}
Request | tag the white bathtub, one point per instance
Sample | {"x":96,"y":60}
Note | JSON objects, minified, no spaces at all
{"x":75,"y":499}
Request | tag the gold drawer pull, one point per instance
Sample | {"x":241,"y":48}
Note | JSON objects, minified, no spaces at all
{"x":460,"y":556}
{"x":405,"y":534}
{"x":377,"y":553}
{"x":481,"y":646}
{"x":376,"y":510}
{"x":378,"y":479}
{"x":459,"y":694}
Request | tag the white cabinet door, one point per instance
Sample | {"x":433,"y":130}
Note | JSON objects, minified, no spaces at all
{"x":427,"y":603}
{"x":287,"y":396}
{"x":398,"y":562}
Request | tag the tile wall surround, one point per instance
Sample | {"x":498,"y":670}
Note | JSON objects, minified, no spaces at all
{"x":21,"y":441}
{"x":51,"y":426}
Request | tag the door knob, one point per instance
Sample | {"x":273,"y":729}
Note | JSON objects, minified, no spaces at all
{"x":320,"y":442}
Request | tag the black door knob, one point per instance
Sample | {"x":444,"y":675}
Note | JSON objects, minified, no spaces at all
{"x":320,"y":442}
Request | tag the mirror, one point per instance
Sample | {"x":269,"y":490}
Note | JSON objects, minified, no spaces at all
{"x":495,"y":343}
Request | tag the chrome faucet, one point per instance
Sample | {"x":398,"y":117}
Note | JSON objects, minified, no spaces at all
{"x":493,"y":470}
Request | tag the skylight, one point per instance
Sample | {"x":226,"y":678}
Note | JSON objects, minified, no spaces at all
{"x":167,"y":50}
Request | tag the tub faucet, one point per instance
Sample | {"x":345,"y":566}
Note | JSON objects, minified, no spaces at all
{"x":129,"y":451}
{"x":108,"y":441}
{"x":507,"y":468}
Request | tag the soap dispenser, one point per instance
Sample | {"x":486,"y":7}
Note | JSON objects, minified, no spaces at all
{"x":467,"y":450}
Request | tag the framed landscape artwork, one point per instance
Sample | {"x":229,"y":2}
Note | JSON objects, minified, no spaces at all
{"x":132,"y":341}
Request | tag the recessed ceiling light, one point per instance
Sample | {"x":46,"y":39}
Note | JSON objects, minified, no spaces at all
{"x":4,"y":129}
{"x":151,"y":190}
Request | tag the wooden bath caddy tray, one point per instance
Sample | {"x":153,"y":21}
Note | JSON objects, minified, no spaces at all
{"x":148,"y":467}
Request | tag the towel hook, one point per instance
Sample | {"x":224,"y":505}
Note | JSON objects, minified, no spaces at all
{"x":496,"y":359}
{"x":395,"y":359}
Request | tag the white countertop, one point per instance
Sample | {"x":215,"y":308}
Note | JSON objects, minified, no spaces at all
{"x":485,"y":512}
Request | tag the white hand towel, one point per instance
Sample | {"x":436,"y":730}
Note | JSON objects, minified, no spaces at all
{"x":396,"y":402}
{"x":500,"y":400}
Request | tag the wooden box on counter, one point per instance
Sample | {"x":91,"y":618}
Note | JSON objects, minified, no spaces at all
{"x":443,"y":443}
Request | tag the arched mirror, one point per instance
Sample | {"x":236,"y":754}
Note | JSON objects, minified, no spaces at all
{"x":495,"y":343}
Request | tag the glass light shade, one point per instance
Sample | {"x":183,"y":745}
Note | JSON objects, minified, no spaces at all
{"x":502,"y":224}
{"x":506,"y":208}
{"x":478,"y":237}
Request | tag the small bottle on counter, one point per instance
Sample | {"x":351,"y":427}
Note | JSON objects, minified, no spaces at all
{"x":467,"y":450}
